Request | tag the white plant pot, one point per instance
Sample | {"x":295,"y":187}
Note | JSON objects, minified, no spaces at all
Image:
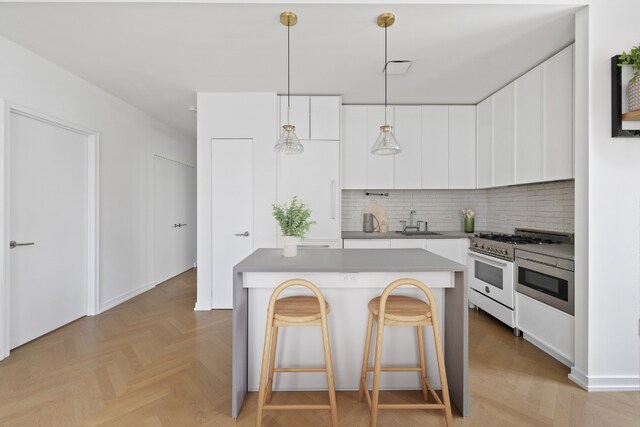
{"x":290,"y":246}
{"x":633,"y":95}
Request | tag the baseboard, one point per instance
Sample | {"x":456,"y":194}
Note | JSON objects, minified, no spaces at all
{"x":125,"y":297}
{"x":202,"y":306}
{"x":549,"y":350}
{"x":605,"y":383}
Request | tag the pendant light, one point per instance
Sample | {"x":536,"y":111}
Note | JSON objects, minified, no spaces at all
{"x":288,"y":142}
{"x":386,"y":144}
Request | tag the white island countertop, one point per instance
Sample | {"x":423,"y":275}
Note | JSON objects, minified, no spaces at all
{"x":377,"y":266}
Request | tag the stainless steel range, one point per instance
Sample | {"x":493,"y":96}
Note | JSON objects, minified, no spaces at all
{"x":492,"y":276}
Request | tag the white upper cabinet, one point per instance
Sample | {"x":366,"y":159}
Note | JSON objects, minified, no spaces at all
{"x":484,"y":144}
{"x":379,"y":168}
{"x":315,"y":117}
{"x":435,"y":146}
{"x":299,"y":115}
{"x":408,"y":167}
{"x":462,"y":146}
{"x":528,"y":127}
{"x":325,"y":117}
{"x":557,"y":101}
{"x":354,"y":147}
{"x":503,"y":136}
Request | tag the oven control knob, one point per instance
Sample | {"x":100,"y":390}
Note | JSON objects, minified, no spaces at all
{"x":486,"y":289}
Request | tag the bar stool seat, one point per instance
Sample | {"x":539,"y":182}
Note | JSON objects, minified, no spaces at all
{"x":405,"y":310}
{"x":298,"y":310}
{"x":399,"y":310}
{"x":294,"y":311}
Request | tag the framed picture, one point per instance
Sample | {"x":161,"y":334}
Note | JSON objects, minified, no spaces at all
{"x":623,"y":123}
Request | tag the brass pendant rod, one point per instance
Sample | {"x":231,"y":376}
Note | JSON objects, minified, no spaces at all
{"x":288,"y":70}
{"x":385,"y":74}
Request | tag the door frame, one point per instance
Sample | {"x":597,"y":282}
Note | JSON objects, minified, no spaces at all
{"x":92,"y":279}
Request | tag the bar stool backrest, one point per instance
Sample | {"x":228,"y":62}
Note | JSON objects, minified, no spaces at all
{"x":303,"y":283}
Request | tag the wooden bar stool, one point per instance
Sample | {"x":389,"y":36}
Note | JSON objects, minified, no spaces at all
{"x":397,"y":310}
{"x":294,"y":311}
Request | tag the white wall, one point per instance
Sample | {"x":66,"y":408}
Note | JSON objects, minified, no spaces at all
{"x":128,"y":140}
{"x":235,"y":115}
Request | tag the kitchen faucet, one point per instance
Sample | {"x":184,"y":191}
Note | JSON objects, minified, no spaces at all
{"x":411,"y":226}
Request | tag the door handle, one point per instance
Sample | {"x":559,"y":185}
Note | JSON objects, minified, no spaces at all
{"x":13,"y":244}
{"x":179,"y":225}
{"x":245,"y":234}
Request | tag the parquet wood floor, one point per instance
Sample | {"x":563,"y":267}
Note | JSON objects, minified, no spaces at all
{"x":153,"y":361}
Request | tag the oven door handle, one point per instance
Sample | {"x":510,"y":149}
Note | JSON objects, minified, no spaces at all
{"x":535,"y":261}
{"x":487,"y":260}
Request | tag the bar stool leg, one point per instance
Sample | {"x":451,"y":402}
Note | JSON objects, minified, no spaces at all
{"x":423,"y":365}
{"x":329,"y":366}
{"x":272,"y":363}
{"x":443,"y":376}
{"x":375,"y":393}
{"x":365,"y":359}
{"x":264,"y":369}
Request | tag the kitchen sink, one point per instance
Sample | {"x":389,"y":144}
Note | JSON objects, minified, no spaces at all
{"x":418,"y":233}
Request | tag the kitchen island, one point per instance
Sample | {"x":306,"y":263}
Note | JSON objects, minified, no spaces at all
{"x":348,"y":278}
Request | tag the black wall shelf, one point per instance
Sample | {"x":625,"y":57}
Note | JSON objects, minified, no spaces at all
{"x":616,"y":103}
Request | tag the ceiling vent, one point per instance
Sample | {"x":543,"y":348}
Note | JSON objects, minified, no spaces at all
{"x":398,"y":67}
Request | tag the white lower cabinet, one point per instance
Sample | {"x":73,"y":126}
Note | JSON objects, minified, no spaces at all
{"x":408,"y":243}
{"x":454,"y":249}
{"x":319,"y":243}
{"x":366,"y":244}
{"x":545,"y":327}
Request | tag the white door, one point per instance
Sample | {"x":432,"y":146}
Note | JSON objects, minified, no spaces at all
{"x":232,"y":213}
{"x":174,"y":218}
{"x":48,"y":207}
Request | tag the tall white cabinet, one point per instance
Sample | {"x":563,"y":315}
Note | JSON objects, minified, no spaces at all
{"x":314,"y":176}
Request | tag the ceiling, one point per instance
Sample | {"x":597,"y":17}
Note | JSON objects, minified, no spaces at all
{"x":157,"y":56}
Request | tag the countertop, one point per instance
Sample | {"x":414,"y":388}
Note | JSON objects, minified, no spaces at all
{"x":346,"y":261}
{"x":564,"y":250}
{"x":396,"y":235}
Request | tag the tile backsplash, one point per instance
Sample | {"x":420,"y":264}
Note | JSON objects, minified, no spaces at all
{"x":440,"y":208}
{"x":546,"y":206}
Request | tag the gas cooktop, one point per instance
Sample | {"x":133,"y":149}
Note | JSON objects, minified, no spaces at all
{"x":501,"y":245}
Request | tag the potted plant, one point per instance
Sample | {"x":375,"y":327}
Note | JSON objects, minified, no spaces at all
{"x":294,"y":221}
{"x":633,"y":88}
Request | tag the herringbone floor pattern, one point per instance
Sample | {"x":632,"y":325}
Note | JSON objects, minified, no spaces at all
{"x":153,"y":361}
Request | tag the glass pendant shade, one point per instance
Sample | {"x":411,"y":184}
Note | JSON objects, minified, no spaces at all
{"x":288,"y":143}
{"x":386,"y":144}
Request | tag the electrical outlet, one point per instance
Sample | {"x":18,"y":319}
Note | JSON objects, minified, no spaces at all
{"x":447,"y":217}
{"x":503,"y":217}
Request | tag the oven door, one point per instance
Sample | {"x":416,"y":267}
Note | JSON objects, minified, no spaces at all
{"x":492,"y":277}
{"x":545,"y":283}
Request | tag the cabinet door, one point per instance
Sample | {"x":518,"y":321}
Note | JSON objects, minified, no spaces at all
{"x":462,"y":146}
{"x":366,"y":244}
{"x":408,"y":243}
{"x":379,"y":168}
{"x":324,"y":117}
{"x":314,"y":178}
{"x":408,"y":167}
{"x":558,"y":116}
{"x":354,"y":147}
{"x":528,"y":127}
{"x":484,"y":144}
{"x":435,"y":147}
{"x":299,"y":115}
{"x":454,"y":249}
{"x":503,"y":156}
